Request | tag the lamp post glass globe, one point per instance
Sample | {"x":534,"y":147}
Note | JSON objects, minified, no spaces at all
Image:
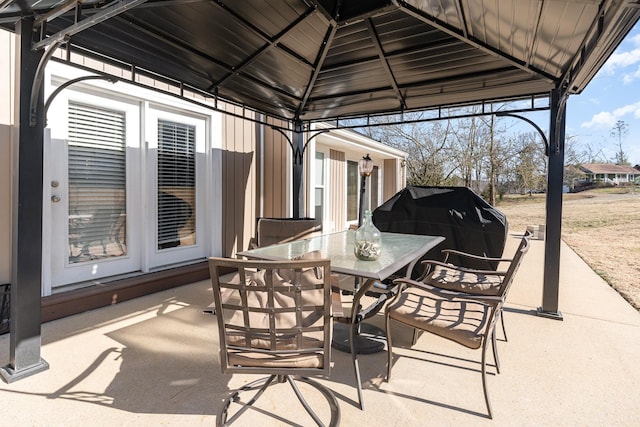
{"x":365,"y":166}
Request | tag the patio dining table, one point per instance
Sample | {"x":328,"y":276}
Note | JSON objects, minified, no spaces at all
{"x":397,"y":251}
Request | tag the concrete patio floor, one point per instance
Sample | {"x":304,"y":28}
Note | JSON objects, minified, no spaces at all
{"x":153,"y":362}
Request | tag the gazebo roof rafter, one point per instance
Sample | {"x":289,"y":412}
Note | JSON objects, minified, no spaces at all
{"x":462,"y":34}
{"x":304,"y":60}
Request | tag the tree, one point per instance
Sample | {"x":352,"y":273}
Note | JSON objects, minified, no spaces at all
{"x":426,"y":143}
{"x":619,"y":130}
{"x":530,"y":164}
{"x":496,"y":159}
{"x":469,"y":151}
{"x":593,"y":155}
{"x":500,"y":152}
{"x":573,"y":158}
{"x":469,"y":148}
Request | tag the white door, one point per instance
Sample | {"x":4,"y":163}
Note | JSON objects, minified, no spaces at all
{"x":114,"y":206}
{"x":94,"y":192}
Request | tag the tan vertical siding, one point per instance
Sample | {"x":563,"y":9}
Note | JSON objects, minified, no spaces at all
{"x":5,"y":202}
{"x":238,"y":182}
{"x":276,"y":167}
{"x":337,"y":188}
{"x":7,"y":118}
{"x":375,"y":188}
{"x":391,"y":181}
{"x":7,"y":74}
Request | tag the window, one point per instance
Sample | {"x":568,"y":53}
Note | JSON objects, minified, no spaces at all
{"x":319,"y":186}
{"x":97,"y":183}
{"x":176,"y":184}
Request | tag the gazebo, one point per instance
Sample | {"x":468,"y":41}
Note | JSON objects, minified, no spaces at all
{"x":305,"y":61}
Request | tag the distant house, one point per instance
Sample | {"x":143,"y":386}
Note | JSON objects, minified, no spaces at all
{"x":608,"y":173}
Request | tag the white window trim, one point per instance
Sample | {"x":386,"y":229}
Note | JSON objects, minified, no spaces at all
{"x":139,"y":99}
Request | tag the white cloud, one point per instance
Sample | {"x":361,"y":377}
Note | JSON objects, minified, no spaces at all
{"x":622,"y":59}
{"x":633,"y":152}
{"x":631,"y":77}
{"x":600,"y":120}
{"x":606,"y":119}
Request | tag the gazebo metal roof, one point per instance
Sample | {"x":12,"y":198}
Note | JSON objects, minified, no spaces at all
{"x":319,"y":59}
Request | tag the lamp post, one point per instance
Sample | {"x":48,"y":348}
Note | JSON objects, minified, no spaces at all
{"x":365,"y":167}
{"x":364,"y":335}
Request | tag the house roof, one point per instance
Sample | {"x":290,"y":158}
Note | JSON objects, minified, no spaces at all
{"x":314,"y":60}
{"x":606,"y":168}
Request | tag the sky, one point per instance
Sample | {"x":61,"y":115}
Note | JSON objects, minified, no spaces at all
{"x":612,"y":95}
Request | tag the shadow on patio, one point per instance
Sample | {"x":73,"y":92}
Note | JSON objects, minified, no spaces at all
{"x":153,"y":361}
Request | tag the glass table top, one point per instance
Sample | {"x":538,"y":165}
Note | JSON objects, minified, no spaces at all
{"x":398,"y":250}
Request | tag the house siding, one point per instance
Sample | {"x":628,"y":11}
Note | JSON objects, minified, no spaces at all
{"x":342,"y":146}
{"x":276,"y":155}
{"x":7,"y":77}
{"x":391,"y":179}
{"x":6,"y":136}
{"x":238,"y":183}
{"x":255,"y":165}
{"x":7,"y":118}
{"x":337,"y":189}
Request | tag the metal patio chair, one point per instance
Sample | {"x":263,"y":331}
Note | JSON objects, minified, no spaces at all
{"x":277,"y":321}
{"x":459,"y":304}
{"x":446,"y":278}
{"x":453,"y":279}
{"x":270,"y":231}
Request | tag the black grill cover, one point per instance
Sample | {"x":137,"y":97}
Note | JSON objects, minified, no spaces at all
{"x":466,"y":220}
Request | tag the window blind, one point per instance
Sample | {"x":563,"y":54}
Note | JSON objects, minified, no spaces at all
{"x":320,"y":184}
{"x":176,"y":184}
{"x":97,"y":182}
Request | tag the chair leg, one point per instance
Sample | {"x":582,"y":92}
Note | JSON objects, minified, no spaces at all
{"x":260,"y":384}
{"x":389,"y":351}
{"x":484,"y":378}
{"x":495,"y":350}
{"x":333,"y":403}
{"x":504,"y":330}
{"x":354,"y":357}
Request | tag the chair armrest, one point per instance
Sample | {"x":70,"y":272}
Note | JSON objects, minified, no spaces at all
{"x":358,"y":313}
{"x":336,"y":304}
{"x":487,"y":299}
{"x":337,"y":310}
{"x":448,"y":252}
{"x":428,"y":263}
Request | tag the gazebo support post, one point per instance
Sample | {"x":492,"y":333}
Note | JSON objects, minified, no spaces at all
{"x":553,"y":237}
{"x":26,"y":263}
{"x":298,"y":170}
